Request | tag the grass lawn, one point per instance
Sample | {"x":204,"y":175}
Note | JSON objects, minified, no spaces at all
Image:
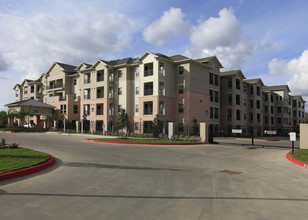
{"x":139,"y":140}
{"x":19,"y":158}
{"x":301,"y":155}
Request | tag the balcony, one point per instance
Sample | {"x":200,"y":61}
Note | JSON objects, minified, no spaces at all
{"x":87,"y":81}
{"x":100,"y":95}
{"x":54,"y":86}
{"x":148,"y":92}
{"x":87,"y":96}
{"x":148,"y":72}
{"x":100,"y":78}
{"x":62,"y":98}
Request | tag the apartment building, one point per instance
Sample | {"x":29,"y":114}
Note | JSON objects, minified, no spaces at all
{"x":176,"y":88}
{"x":248,"y":103}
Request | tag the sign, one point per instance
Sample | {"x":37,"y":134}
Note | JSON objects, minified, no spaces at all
{"x":237,"y":131}
{"x":270,"y":132}
{"x":292,"y":136}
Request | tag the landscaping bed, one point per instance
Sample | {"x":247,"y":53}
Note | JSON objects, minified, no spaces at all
{"x":18,"y":158}
{"x":300,"y":155}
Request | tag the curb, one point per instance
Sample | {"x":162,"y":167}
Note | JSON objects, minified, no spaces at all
{"x":28,"y":171}
{"x":8,"y":131}
{"x":113,"y":142}
{"x":272,"y":140}
{"x":296,"y":161}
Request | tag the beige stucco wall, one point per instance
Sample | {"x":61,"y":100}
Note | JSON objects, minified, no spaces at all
{"x":303,"y":144}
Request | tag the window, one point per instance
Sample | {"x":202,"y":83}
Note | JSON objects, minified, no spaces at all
{"x":238,"y":99}
{"x":258,"y":104}
{"x":120,"y":91}
{"x":136,"y":126}
{"x":211,"y":95}
{"x":148,"y":69}
{"x":92,"y":109}
{"x":244,"y":116}
{"x":272,"y":110}
{"x":211,"y":112}
{"x":161,"y":91}
{"x":211,"y":77}
{"x":272,"y":120}
{"x":251,"y":116}
{"x":258,"y":117}
{"x":137,"y":90}
{"x":216,"y":113}
{"x":148,"y":88}
{"x":251,"y":90}
{"x":75,"y":107}
{"x":251,"y":103}
{"x":229,"y":114}
{"x":229,"y":99}
{"x":181,"y":108}
{"x":238,"y":84}
{"x":120,"y":73}
{"x":272,"y":98}
{"x":100,"y":92}
{"x":245,"y":88}
{"x":181,"y":88}
{"x":162,"y":69}
{"x":137,"y":72}
{"x":230,"y":83}
{"x":63,"y":109}
{"x":17,"y":93}
{"x":258,"y":91}
{"x":32,"y":89}
{"x":148,"y":108}
{"x":266,"y":120}
{"x":75,"y":82}
{"x":162,"y":108}
{"x":181,"y":70}
{"x":181,"y":127}
{"x":216,"y":80}
{"x":238,"y":115}
{"x":86,"y":109}
{"x":99,"y":109}
{"x":265,"y":97}
{"x":278,"y":109}
{"x":119,"y":108}
{"x":216,"y":97}
{"x":137,"y":108}
{"x":266,"y":109}
{"x":100,"y":76}
{"x":245,"y":102}
{"x":279,"y":121}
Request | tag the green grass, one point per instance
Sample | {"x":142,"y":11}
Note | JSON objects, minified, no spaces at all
{"x":19,"y":158}
{"x":138,"y":140}
{"x":301,"y":155}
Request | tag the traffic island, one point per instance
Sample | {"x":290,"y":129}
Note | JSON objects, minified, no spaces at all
{"x":300,"y":158}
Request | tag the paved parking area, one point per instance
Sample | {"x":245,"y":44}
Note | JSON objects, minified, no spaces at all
{"x":110,"y":181}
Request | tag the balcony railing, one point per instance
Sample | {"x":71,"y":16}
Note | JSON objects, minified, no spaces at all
{"x":148,"y":72}
{"x":86,"y":112}
{"x":87,"y":96}
{"x":87,"y":81}
{"x":111,"y":95}
{"x":55,"y":86}
{"x":161,"y":92}
{"x":62,"y":98}
{"x":148,"y":111}
{"x":100,"y":95}
{"x":162,"y":72}
{"x":100,"y":78}
{"x":148,"y":92}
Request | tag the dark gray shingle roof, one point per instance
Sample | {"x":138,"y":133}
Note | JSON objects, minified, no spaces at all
{"x":30,"y":102}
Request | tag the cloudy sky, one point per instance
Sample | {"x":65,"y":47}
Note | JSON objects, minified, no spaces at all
{"x":264,"y":38}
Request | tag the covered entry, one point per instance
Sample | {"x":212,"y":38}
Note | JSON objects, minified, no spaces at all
{"x":28,"y":111}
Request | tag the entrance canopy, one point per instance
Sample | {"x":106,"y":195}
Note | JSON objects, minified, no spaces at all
{"x":35,"y":107}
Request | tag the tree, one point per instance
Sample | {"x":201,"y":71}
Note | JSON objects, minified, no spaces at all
{"x":3,"y":118}
{"x":123,"y":122}
{"x":49,"y":119}
{"x":156,"y":126}
{"x":195,"y":127}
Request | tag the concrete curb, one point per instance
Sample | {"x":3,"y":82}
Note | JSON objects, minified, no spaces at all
{"x":113,"y":142}
{"x":28,"y":171}
{"x":296,"y":161}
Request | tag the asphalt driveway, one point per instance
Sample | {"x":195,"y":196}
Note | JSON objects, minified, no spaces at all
{"x":114,"y":181}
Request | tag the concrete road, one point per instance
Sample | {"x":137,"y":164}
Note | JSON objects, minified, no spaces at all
{"x":110,"y":181}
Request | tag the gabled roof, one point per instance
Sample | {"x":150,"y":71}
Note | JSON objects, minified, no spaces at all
{"x":29,"y":103}
{"x":232,"y":73}
{"x":298,"y":97}
{"x":83,"y":64}
{"x":66,"y":66}
{"x":254,"y":81}
{"x":279,"y":88}
{"x":206,"y":60}
{"x":178,"y":57}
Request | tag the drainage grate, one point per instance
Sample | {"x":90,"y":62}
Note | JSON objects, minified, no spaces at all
{"x":230,"y":172}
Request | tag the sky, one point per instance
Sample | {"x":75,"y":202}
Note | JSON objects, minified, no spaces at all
{"x":266,"y":39}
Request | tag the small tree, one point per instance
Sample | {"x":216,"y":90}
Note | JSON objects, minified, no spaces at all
{"x":195,"y":127}
{"x":123,"y":122}
{"x":50,"y":118}
{"x":3,"y":118}
{"x":156,"y":126}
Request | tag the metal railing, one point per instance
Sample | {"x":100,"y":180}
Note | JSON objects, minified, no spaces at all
{"x":87,"y":81}
{"x":55,"y":86}
{"x":87,"y":96}
{"x":148,"y":72}
{"x":100,"y":95}
{"x":148,"y":92}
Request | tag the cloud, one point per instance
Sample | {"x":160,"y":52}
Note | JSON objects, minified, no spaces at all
{"x":5,"y":77}
{"x":223,"y":31}
{"x":170,"y":24}
{"x":33,"y":42}
{"x":3,"y":64}
{"x":296,"y":68}
{"x":221,"y":37}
